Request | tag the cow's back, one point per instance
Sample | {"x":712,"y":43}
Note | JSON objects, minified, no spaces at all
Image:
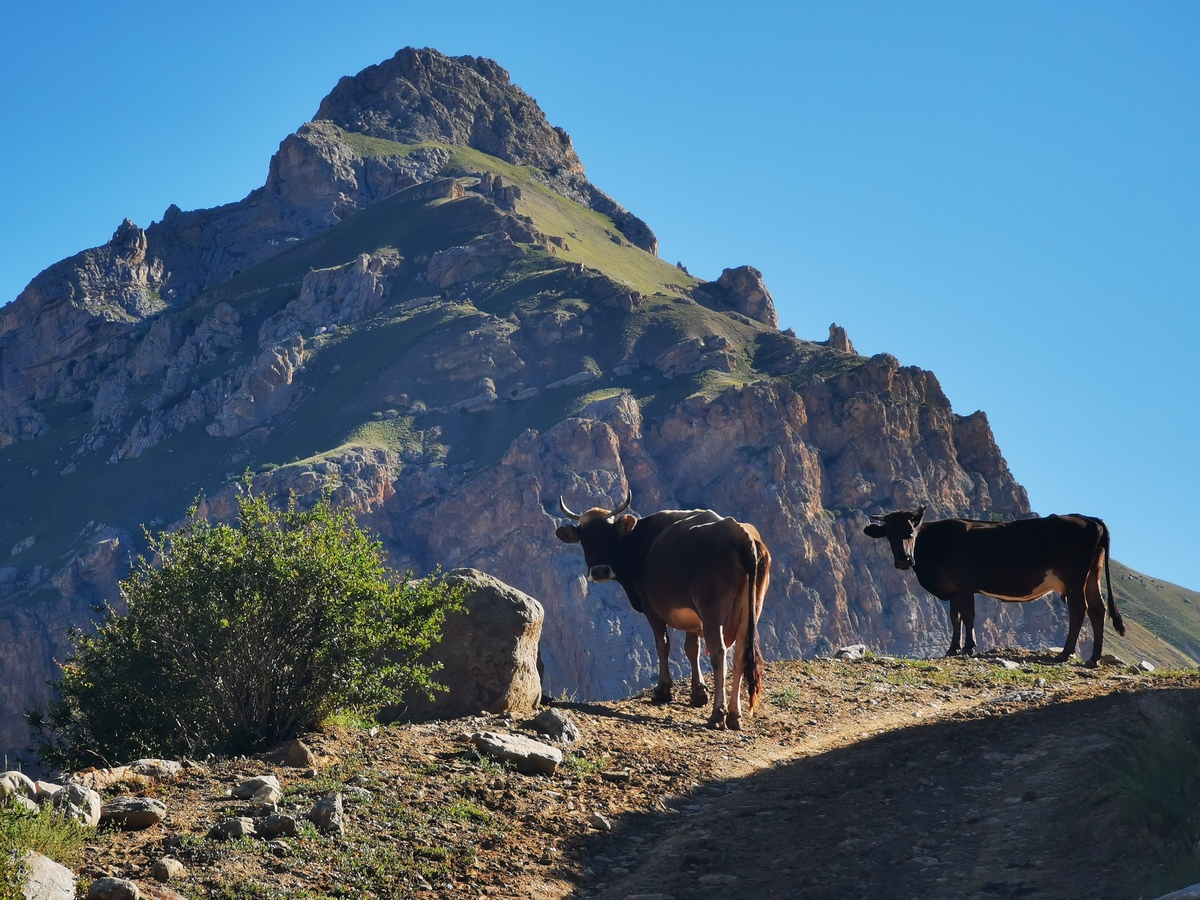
{"x":694,"y":548}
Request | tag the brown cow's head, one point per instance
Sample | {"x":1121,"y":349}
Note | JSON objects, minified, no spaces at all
{"x":900,"y":528}
{"x":598,"y":531}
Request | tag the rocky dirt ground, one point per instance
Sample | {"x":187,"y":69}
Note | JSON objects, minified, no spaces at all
{"x":988,"y":778}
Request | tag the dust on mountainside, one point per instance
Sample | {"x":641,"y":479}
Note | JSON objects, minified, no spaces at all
{"x":993,"y":777}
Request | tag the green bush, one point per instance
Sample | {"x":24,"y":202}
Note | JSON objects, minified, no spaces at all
{"x":238,"y":637}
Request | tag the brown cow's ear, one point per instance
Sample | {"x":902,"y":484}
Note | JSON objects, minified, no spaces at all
{"x":625,"y":525}
{"x":568,"y":534}
{"x":916,"y":520}
{"x":875,"y":530}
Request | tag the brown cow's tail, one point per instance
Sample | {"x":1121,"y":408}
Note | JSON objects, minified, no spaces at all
{"x":756,"y":560}
{"x":1113,"y":612}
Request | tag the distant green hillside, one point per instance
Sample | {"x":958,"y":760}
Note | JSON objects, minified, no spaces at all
{"x":1163,"y":620}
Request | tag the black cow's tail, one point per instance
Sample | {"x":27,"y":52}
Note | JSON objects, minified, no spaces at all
{"x":1113,"y":612}
{"x":757,"y":561}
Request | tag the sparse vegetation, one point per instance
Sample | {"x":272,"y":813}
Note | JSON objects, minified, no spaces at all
{"x":46,"y":832}
{"x":237,"y":637}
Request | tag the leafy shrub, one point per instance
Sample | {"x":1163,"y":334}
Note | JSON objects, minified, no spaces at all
{"x":238,"y":637}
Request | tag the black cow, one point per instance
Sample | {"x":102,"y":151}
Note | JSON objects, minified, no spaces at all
{"x":688,"y":569}
{"x":955,"y":559}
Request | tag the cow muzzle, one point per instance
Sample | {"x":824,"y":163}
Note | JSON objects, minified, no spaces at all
{"x":905,"y":562}
{"x":601,"y":573}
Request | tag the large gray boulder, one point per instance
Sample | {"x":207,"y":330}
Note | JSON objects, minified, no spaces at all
{"x":488,"y":653}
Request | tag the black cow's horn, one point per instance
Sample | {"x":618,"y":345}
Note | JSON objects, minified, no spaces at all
{"x":574,"y":516}
{"x":875,"y":517}
{"x":624,"y":506}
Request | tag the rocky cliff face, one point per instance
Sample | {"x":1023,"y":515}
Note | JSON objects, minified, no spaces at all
{"x":450,"y":350}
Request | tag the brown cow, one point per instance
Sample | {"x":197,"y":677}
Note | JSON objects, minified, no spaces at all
{"x":955,"y":559}
{"x":688,"y":569}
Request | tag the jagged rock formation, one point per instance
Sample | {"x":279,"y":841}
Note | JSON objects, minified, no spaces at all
{"x":449,"y":342}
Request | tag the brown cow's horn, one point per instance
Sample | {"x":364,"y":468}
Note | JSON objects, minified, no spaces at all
{"x":624,"y":506}
{"x":574,"y":516}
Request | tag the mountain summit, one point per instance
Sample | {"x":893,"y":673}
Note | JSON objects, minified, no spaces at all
{"x":428,"y":310}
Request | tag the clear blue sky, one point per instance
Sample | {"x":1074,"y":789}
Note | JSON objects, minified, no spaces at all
{"x":1007,"y":194}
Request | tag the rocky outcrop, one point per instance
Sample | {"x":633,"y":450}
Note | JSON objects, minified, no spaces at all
{"x":839,"y":340}
{"x":747,"y":293}
{"x":482,"y":254}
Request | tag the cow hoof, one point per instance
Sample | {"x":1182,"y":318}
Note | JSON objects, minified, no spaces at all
{"x":733,"y":723}
{"x":699,"y":697}
{"x":661,"y":696}
{"x":1091,"y":663}
{"x":717,"y":721}
{"x":953,"y":651}
{"x":1063,"y":657}
{"x":970,"y":651}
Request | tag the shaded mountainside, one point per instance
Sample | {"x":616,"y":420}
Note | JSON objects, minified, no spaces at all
{"x":430,"y":309}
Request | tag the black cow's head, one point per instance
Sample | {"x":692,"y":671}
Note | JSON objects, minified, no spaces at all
{"x":599,"y":530}
{"x":900,"y":528}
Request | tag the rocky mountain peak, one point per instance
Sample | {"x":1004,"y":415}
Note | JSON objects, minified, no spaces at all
{"x":422,"y":95}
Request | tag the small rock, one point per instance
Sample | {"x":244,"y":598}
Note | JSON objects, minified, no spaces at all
{"x":247,"y":789}
{"x":854,"y":651}
{"x":1009,"y":664}
{"x":44,"y":879}
{"x":1029,"y":796}
{"x":299,"y":755}
{"x":156,"y":768}
{"x":168,"y":868}
{"x":1111,"y":659}
{"x":79,"y":803}
{"x":268,"y":795}
{"x":160,"y":892}
{"x":279,"y":848}
{"x":233,"y":827}
{"x":328,"y":814}
{"x":718,"y":879}
{"x":278,"y":824}
{"x":20,"y":800}
{"x":133,"y":813}
{"x":526,"y":754}
{"x":113,"y":889}
{"x":600,"y":823}
{"x":557,"y":724}
{"x":46,"y":789}
{"x":17,"y":783}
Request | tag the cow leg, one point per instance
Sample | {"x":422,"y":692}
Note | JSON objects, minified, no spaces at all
{"x":1075,"y":607}
{"x":967,"y":609}
{"x":662,"y":643}
{"x":715,"y":640}
{"x":1095,"y":611}
{"x":733,"y":706}
{"x":956,"y":621}
{"x":691,"y":646}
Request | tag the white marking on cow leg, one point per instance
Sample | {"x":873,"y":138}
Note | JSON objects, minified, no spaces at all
{"x":734,"y":703}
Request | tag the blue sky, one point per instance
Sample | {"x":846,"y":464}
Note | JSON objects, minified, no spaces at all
{"x":1007,"y":194}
